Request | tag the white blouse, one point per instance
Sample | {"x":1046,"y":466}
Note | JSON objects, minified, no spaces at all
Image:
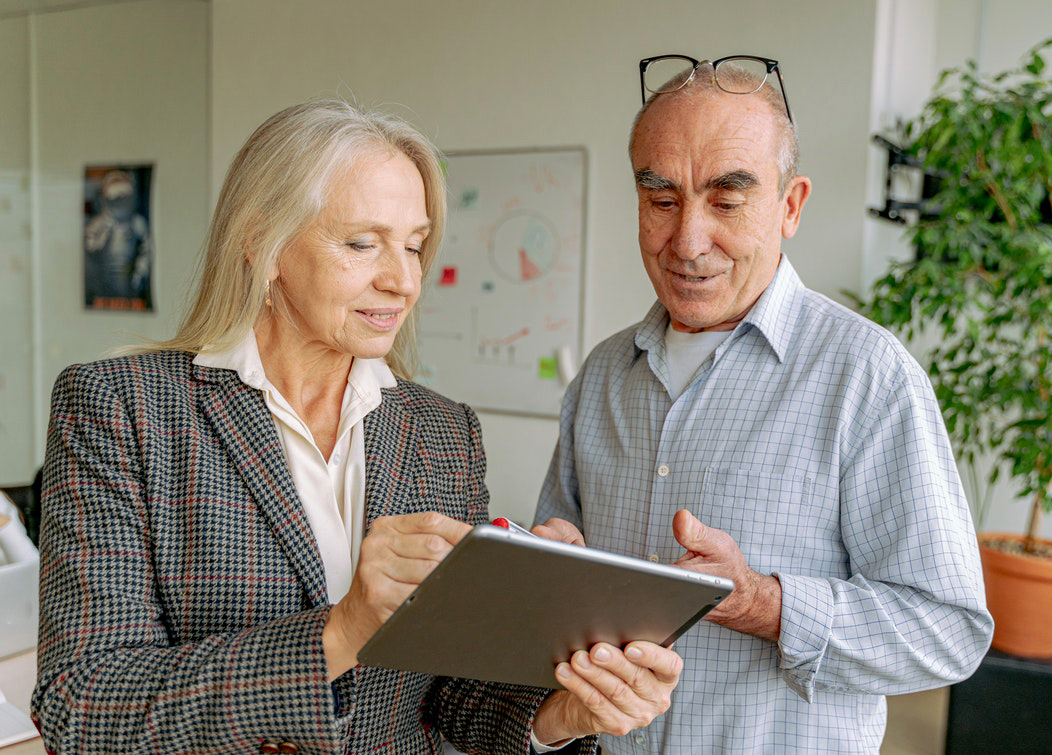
{"x":333,"y":491}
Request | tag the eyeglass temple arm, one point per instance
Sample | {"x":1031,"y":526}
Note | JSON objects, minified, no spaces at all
{"x":785,"y":97}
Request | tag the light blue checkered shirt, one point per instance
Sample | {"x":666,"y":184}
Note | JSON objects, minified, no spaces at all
{"x":814,"y":439}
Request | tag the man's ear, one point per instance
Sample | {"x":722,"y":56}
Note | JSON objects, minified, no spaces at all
{"x":796,"y":195}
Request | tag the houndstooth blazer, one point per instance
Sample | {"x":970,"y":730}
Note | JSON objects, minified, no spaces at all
{"x":182,"y":594}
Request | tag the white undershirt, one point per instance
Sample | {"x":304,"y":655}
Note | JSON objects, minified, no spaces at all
{"x":686,"y":352}
{"x":333,"y":491}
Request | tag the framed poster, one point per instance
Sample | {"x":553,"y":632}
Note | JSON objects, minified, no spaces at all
{"x":118,"y":250}
{"x":500,"y":323}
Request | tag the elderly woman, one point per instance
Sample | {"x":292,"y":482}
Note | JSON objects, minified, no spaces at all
{"x":230,"y":515}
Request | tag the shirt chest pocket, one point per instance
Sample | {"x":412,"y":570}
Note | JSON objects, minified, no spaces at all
{"x":776,"y":519}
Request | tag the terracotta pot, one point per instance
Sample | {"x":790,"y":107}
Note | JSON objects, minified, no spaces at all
{"x":1019,"y":595}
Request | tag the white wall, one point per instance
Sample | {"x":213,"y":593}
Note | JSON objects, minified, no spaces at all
{"x":994,"y":33}
{"x":904,"y":71}
{"x":123,"y":83}
{"x":478,"y":75}
{"x":16,"y":333}
{"x":141,"y":81}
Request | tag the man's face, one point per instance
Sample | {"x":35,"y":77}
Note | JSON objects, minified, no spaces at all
{"x":711,"y":216}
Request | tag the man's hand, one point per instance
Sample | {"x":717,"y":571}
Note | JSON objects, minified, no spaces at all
{"x":608,"y":691}
{"x":396,"y":556}
{"x":559,"y":529}
{"x":755,"y":606}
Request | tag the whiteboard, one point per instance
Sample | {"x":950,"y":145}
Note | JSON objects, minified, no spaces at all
{"x":500,"y":320}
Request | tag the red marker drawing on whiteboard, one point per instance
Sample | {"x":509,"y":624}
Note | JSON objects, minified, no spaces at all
{"x":507,"y":524}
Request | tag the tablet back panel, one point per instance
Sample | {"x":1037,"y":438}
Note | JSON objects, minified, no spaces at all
{"x":508,"y":607}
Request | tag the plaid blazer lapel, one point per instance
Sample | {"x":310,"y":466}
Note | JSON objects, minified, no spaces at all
{"x":242,"y":421}
{"x":391,"y":440}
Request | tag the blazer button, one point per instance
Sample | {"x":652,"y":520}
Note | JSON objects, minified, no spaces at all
{"x":287,"y":748}
{"x":269,"y":748}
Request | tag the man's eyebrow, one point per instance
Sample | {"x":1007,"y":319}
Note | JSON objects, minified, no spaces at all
{"x":648,"y":179}
{"x":736,"y":180}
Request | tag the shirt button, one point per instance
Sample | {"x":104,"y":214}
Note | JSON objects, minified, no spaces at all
{"x":663,"y":470}
{"x":640,"y":739}
{"x":655,"y":557}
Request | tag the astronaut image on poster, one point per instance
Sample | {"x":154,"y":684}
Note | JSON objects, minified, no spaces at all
{"x":118,"y":251}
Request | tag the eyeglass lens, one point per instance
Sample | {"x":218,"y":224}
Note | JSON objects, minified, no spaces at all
{"x":734,"y":75}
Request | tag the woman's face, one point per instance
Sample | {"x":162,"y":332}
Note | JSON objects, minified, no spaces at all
{"x":348,"y":281}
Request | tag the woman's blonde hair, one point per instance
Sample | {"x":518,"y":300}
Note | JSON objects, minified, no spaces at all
{"x":275,"y":187}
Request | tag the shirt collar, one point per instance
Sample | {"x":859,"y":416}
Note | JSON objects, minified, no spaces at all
{"x":366,"y":377}
{"x":772,"y":316}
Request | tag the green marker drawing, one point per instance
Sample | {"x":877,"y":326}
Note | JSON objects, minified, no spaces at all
{"x":469,"y":198}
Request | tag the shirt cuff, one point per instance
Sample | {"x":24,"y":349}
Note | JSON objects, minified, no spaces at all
{"x":807,"y":622}
{"x":540,"y":749}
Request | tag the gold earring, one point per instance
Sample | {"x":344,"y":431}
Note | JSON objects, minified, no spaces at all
{"x":266,"y":295}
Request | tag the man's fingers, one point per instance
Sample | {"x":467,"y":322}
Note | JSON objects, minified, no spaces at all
{"x":689,"y":531}
{"x":643,"y":672}
{"x":592,"y":686}
{"x":620,"y":694}
{"x":646,"y":669}
{"x":586,"y":694}
{"x":664,"y":663}
{"x":559,"y":529}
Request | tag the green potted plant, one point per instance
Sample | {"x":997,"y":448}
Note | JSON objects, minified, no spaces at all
{"x":981,"y":286}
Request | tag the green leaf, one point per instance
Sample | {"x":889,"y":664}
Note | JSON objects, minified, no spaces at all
{"x":984,"y":277}
{"x":1036,"y":65}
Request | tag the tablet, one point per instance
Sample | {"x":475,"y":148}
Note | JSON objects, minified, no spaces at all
{"x":507,"y":607}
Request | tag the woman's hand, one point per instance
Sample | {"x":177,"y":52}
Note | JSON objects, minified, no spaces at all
{"x":608,"y":691}
{"x":396,"y":556}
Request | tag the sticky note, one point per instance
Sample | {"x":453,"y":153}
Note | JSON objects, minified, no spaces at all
{"x":547,"y":368}
{"x":448,"y":277}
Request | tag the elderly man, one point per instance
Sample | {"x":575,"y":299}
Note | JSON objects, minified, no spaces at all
{"x":751,"y":428}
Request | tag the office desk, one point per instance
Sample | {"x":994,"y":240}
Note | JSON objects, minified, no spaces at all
{"x":17,"y":675}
